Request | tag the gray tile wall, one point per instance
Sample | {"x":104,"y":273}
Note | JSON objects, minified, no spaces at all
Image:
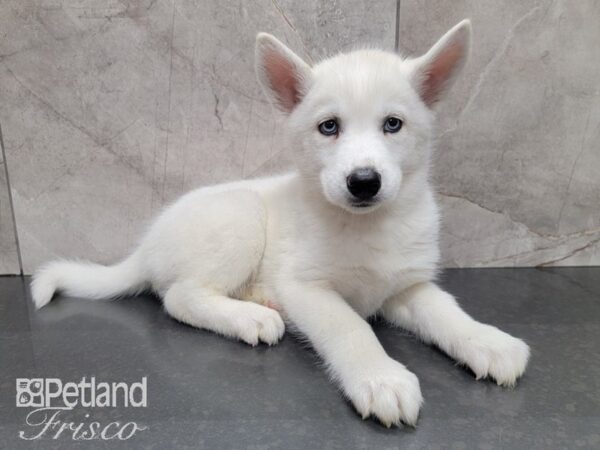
{"x":112,"y":109}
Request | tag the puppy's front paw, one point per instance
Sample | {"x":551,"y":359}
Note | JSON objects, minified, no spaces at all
{"x":258,"y":323}
{"x":490,"y":352}
{"x":387,"y":391}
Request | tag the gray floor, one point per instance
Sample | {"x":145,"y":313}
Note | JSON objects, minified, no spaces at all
{"x":207,"y":392}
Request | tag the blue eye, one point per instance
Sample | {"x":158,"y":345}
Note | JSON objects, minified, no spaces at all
{"x":392,"y":125}
{"x":329,"y":127}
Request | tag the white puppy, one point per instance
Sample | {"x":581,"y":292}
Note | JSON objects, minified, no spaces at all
{"x":351,"y":234}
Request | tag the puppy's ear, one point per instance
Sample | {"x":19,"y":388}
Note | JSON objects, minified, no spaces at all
{"x":434,"y":72}
{"x":282,"y":74}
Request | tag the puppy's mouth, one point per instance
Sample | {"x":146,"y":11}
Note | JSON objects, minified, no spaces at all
{"x":364,"y":205}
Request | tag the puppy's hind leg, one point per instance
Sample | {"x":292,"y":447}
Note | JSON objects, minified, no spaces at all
{"x":209,"y":310}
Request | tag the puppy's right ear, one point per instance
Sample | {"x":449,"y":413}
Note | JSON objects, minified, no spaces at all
{"x":283,"y":75}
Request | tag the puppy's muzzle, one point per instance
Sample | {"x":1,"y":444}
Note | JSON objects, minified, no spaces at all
{"x":363,"y":183}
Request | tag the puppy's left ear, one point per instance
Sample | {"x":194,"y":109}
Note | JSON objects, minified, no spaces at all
{"x":283,"y":75}
{"x":435,"y":72}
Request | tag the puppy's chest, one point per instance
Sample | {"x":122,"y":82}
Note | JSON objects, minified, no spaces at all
{"x":365,"y":288}
{"x":369,"y":270}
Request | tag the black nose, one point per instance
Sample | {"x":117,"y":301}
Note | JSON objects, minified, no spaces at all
{"x":364,"y":183}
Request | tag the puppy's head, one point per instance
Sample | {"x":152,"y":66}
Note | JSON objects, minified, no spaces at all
{"x":360,"y":122}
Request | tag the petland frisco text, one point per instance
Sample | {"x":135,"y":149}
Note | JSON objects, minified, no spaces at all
{"x":52,"y":399}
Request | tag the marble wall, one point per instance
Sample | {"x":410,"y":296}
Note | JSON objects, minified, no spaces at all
{"x":111,"y":109}
{"x":9,"y":255}
{"x":519,"y":139}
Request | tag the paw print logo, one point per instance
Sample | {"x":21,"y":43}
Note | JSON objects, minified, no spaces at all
{"x":30,"y":392}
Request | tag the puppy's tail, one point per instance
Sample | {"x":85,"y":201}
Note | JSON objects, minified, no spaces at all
{"x":89,"y":280}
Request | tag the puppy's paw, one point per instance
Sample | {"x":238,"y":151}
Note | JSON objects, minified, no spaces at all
{"x":259,"y":323}
{"x":490,"y":352}
{"x":387,"y":391}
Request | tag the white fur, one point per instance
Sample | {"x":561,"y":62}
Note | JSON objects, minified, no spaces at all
{"x":295,"y":243}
